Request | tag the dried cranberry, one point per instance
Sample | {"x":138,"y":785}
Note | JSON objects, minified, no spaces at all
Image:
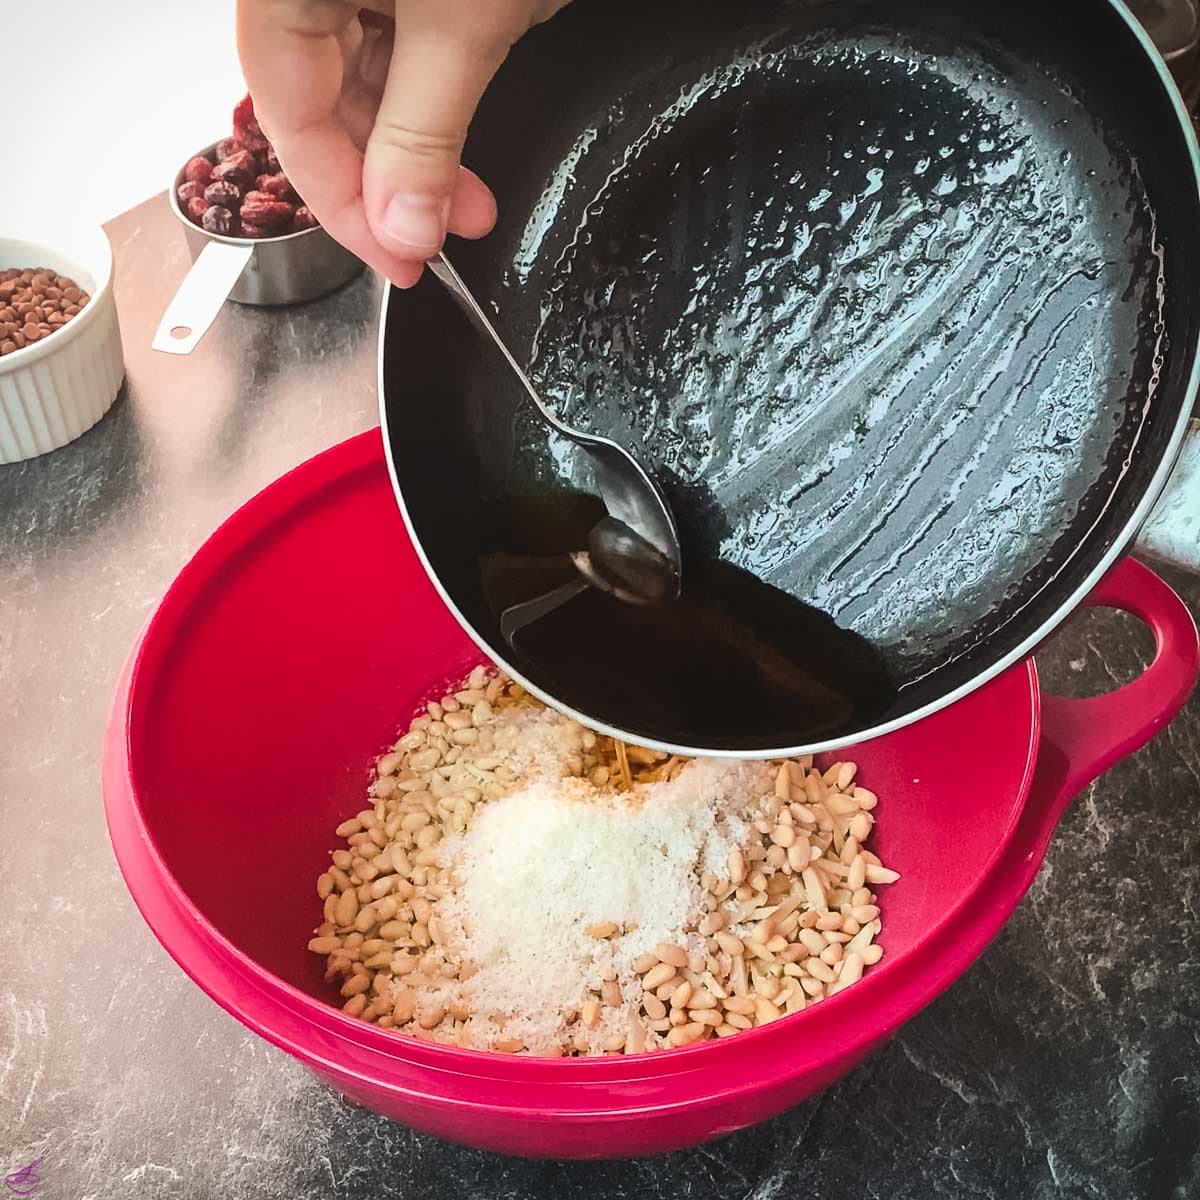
{"x":219,"y":220}
{"x":190,"y":190}
{"x":272,"y":158}
{"x":243,"y":160}
{"x":279,"y":186}
{"x":238,"y":169}
{"x":227,"y":149}
{"x":246,"y":128}
{"x":251,"y":230}
{"x":261,"y":208}
{"x":243,"y":113}
{"x":303,"y":219}
{"x":196,"y":208}
{"x":198,"y":170}
{"x":222,"y":192}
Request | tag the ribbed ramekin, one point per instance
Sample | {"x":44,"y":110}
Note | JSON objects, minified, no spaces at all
{"x":58,"y":388}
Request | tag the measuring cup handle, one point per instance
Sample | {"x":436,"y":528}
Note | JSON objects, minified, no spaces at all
{"x":200,"y":296}
{"x":1081,"y":739}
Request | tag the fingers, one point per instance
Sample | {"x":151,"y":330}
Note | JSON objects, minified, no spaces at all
{"x":292,"y":60}
{"x":294,"y":57}
{"x":473,"y":207}
{"x":412,"y":186}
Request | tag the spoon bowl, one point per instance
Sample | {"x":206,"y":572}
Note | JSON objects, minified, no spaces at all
{"x":631,"y":496}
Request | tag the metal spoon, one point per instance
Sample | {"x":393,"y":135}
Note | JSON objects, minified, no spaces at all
{"x":628,"y":492}
{"x":617,"y":561}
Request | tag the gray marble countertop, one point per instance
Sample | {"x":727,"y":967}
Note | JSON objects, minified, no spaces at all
{"x":1065,"y":1064}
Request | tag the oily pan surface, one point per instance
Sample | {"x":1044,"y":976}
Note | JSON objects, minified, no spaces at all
{"x":886,"y":305}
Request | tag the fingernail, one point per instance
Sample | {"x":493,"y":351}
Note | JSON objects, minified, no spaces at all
{"x":417,"y":222}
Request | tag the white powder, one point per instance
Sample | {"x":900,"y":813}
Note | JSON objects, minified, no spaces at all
{"x":535,"y":741}
{"x":542,"y":864}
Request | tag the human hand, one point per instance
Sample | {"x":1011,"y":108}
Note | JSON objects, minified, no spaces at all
{"x":368,"y":108}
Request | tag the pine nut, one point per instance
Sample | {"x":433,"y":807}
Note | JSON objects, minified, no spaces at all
{"x":814,"y":889}
{"x":432,"y":1017}
{"x":730,"y":943}
{"x":783,"y":835}
{"x":852,"y":969}
{"x":655,"y":1008}
{"x":404,"y":1007}
{"x":765,"y":1011}
{"x":657,"y":975}
{"x":673,"y":955}
{"x":811,"y":940}
{"x":736,"y":867}
{"x":819,"y":970}
{"x":347,"y":908}
{"x":792,"y":921}
{"x":355,"y":985}
{"x":635,"y":1042}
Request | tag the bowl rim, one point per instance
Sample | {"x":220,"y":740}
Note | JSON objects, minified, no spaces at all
{"x":322,"y":474}
{"x":99,"y":266}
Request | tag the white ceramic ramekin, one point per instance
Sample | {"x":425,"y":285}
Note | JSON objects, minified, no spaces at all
{"x":56,"y":389}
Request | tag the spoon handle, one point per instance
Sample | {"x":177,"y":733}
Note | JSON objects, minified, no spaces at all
{"x":441,"y":267}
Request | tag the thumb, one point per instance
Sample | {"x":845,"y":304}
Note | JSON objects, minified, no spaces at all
{"x":410,"y":170}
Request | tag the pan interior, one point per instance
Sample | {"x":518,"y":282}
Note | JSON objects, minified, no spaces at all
{"x":880,"y":291}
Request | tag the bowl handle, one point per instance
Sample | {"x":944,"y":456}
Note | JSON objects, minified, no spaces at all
{"x":1081,"y":739}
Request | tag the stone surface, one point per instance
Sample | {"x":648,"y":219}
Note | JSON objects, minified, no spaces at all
{"x":1065,"y":1064}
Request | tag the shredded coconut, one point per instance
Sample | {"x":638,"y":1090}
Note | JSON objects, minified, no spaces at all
{"x":546,"y":862}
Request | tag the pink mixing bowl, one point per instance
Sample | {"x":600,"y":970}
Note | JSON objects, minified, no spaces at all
{"x":293,"y":645}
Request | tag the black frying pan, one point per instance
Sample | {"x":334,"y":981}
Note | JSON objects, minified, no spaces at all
{"x":895,"y":296}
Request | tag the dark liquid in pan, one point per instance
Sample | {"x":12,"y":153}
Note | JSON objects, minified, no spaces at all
{"x":733,"y":663}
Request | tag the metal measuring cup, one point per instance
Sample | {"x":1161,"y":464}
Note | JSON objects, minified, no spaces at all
{"x":288,"y":269}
